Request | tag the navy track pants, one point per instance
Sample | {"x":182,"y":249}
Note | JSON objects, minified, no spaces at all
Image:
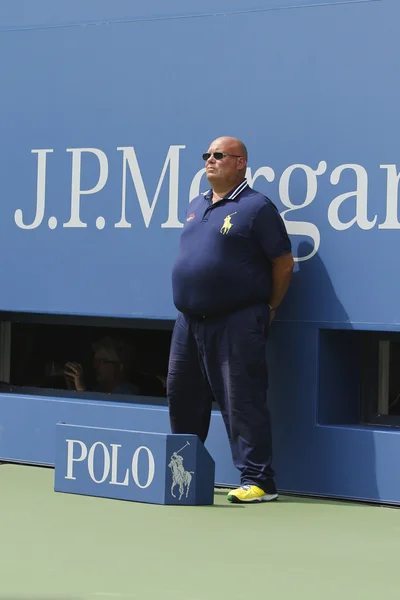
{"x":224,"y":359}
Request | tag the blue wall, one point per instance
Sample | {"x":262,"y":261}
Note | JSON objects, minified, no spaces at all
{"x":312,"y":90}
{"x":304,"y":86}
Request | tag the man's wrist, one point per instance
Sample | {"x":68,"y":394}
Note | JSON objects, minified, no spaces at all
{"x":272,"y":308}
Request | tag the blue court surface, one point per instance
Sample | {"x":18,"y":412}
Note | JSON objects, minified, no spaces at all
{"x":68,"y":547}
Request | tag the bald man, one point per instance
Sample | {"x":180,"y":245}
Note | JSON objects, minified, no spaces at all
{"x":233,"y":269}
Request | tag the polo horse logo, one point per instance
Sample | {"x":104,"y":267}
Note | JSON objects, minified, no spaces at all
{"x":180,"y":477}
{"x":227,"y":224}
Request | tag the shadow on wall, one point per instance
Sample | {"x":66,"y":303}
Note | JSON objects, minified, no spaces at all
{"x":315,"y":375}
{"x":312,"y":296}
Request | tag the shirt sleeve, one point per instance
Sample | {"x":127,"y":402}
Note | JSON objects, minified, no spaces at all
{"x":270,"y":232}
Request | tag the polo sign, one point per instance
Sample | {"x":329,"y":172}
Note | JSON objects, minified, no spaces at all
{"x":133,"y":465}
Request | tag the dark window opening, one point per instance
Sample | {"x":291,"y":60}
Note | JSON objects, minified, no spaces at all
{"x":94,"y":359}
{"x":381,"y":378}
{"x":359,"y":378}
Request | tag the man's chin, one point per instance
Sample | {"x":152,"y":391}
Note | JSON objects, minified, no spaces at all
{"x":212,"y":176}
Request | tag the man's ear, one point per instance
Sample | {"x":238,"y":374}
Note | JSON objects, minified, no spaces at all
{"x":242,"y":163}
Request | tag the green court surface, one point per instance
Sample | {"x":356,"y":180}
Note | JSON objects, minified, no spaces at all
{"x":59,"y":546}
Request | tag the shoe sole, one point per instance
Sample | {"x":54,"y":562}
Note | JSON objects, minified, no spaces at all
{"x":266,"y":498}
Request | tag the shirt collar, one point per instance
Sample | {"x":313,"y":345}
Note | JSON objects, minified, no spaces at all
{"x":232,"y":194}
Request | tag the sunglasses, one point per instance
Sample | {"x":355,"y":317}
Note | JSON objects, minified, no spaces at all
{"x":218,"y":155}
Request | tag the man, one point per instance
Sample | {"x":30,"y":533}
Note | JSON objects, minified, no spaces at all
{"x":111,"y":364}
{"x":232,"y":271}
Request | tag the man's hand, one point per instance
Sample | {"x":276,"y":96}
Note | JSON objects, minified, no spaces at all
{"x":282,"y":269}
{"x":73,"y":373}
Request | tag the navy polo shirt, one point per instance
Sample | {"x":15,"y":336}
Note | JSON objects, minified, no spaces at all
{"x":224,"y":258}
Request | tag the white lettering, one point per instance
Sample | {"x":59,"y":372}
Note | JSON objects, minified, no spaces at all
{"x":76,"y":191}
{"x":172,"y":160}
{"x":361,"y":194}
{"x":266,"y":172}
{"x":70,"y":456}
{"x":392,"y":194}
{"x":288,"y":192}
{"x":114,"y":467}
{"x":40,"y":193}
{"x":151,"y":468}
{"x":301,"y":227}
{"x":106,"y":461}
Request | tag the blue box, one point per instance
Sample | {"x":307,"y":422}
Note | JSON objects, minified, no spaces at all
{"x":133,"y":465}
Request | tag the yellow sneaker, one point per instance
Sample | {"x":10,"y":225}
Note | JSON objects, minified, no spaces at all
{"x":250,"y":493}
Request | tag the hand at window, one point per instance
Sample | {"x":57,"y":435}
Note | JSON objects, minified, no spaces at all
{"x":73,"y":373}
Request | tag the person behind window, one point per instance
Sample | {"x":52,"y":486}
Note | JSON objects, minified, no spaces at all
{"x":112,"y":362}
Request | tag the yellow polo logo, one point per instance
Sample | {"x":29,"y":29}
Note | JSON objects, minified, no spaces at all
{"x":227,"y":224}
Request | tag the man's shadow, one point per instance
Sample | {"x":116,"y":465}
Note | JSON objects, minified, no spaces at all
{"x":311,"y":296}
{"x":315,"y":366}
